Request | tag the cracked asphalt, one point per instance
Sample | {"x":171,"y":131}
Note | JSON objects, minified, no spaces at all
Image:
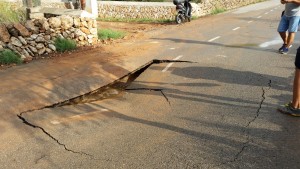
{"x":206,"y":99}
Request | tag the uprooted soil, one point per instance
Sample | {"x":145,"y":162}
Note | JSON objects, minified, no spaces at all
{"x":134,"y":32}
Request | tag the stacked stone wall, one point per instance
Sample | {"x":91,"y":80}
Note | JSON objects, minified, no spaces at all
{"x":207,"y":6}
{"x":36,"y":37}
{"x":136,"y":10}
{"x":162,"y":10}
{"x":53,"y":4}
{"x":150,"y":10}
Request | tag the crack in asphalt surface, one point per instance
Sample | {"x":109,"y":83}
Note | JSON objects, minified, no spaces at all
{"x":40,"y":158}
{"x":157,"y":90}
{"x":245,"y":144}
{"x":131,"y":77}
{"x":120,"y":84}
{"x":251,"y":121}
{"x":155,"y":61}
{"x":53,"y":138}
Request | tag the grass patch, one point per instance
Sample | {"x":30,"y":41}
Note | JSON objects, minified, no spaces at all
{"x":109,"y":33}
{"x":217,"y":11}
{"x":140,"y":0}
{"x":140,"y":20}
{"x":63,"y":44}
{"x":10,"y":14}
{"x":9,"y":57}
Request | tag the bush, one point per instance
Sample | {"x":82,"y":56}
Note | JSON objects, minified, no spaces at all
{"x":136,"y":20}
{"x":108,"y":33}
{"x":9,"y":14}
{"x":140,"y":0}
{"x":8,"y":57}
{"x":218,"y":10}
{"x":63,"y":44}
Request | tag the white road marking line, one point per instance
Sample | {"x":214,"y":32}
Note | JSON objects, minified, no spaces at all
{"x":236,"y":28}
{"x":167,"y":67}
{"x":271,"y":10}
{"x":266,"y":13}
{"x":76,"y":116}
{"x":222,"y":56}
{"x":259,"y":16}
{"x":270,"y":43}
{"x":178,"y":57}
{"x":170,"y":64}
{"x":213,"y":39}
{"x":54,"y":122}
{"x":250,"y":21}
{"x":172,"y":48}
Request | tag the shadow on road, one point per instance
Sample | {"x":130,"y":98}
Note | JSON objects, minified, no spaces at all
{"x":237,"y":46}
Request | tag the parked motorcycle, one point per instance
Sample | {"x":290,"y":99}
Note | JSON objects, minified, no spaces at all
{"x":183,"y":8}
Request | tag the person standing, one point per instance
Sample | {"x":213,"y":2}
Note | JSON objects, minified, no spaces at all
{"x":293,"y":108}
{"x":288,"y":25}
{"x":188,"y":7}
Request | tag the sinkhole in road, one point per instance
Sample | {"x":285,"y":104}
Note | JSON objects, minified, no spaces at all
{"x":113,"y":89}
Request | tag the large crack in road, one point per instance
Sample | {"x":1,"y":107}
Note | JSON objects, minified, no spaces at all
{"x":157,"y":90}
{"x":53,"y":138}
{"x":246,"y":131}
{"x":97,"y":95}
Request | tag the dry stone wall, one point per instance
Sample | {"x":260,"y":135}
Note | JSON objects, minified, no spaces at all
{"x":150,"y":10}
{"x":36,"y":37}
{"x":54,"y":4}
{"x":43,"y":3}
{"x":207,"y":6}
{"x":136,"y":10}
{"x":162,"y":10}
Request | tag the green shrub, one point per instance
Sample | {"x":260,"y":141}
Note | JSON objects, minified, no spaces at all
{"x":9,"y":14}
{"x":217,"y":10}
{"x":108,"y":33}
{"x":8,"y":57}
{"x":140,"y":0}
{"x":136,"y":20}
{"x":63,"y":44}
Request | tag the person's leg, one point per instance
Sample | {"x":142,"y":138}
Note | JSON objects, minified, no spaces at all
{"x":190,"y":9}
{"x":290,"y":39}
{"x":293,"y":108}
{"x":282,"y":30}
{"x":296,"y":85}
{"x":284,"y":37}
{"x":296,"y":90}
{"x":293,"y":28}
{"x":186,"y":7}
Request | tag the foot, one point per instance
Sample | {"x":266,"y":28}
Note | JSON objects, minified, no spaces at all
{"x":288,"y":109}
{"x":284,"y":50}
{"x":280,"y":49}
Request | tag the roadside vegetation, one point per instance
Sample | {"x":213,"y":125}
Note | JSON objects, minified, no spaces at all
{"x":9,"y":14}
{"x":217,"y":11}
{"x":140,"y":20}
{"x":195,"y":1}
{"x":104,"y":34}
{"x":140,"y":0}
{"x":8,"y":57}
{"x":63,"y":44}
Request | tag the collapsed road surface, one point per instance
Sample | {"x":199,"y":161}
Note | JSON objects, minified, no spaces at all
{"x":217,"y":109}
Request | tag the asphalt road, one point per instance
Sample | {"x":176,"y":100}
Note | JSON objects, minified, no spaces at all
{"x":216,"y":111}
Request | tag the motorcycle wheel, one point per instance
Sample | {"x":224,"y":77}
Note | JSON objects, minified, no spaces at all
{"x":178,"y":19}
